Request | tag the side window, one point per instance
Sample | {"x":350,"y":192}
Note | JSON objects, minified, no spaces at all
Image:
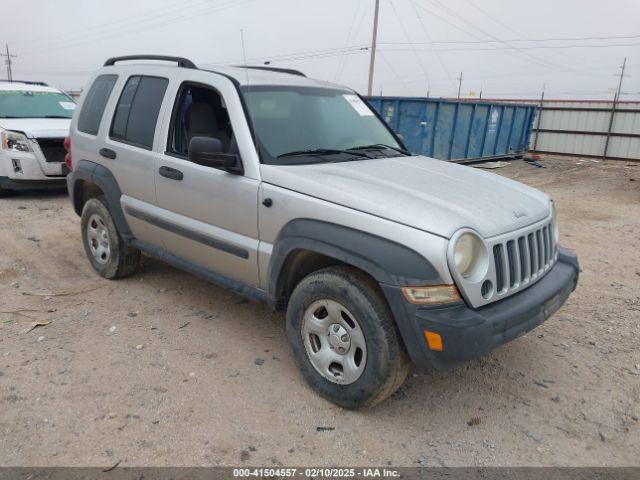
{"x":199,"y":111}
{"x":136,"y":115}
{"x":94,"y":104}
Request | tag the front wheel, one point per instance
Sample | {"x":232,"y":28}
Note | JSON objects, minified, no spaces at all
{"x":107,"y":251}
{"x":344,"y":338}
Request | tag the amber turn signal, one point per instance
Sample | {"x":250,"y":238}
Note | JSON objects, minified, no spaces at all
{"x":434,"y":340}
{"x":432,"y":294}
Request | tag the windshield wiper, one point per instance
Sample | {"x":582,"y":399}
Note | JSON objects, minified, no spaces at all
{"x":381,"y":146}
{"x":322,"y":151}
{"x":56,"y":116}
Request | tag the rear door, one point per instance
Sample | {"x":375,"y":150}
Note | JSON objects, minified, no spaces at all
{"x":130,"y":148}
{"x":209,"y":215}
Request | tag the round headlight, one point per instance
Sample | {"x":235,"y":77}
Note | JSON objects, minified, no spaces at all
{"x":463,"y":253}
{"x":469,"y":255}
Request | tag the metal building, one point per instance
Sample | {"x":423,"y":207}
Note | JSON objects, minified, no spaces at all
{"x":597,"y":129}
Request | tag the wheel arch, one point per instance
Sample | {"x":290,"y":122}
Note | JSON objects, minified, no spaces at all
{"x":89,"y":180}
{"x":305,"y":245}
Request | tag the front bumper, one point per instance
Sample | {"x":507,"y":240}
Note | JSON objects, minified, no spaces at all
{"x":472,"y":333}
{"x":31,"y":165}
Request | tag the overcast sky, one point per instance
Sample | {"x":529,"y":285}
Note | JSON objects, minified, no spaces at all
{"x":506,"y":48}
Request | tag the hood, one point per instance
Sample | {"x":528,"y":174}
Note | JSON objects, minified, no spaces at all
{"x":431,"y":195}
{"x":38,"y":127}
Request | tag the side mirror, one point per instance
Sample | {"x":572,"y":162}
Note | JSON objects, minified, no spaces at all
{"x":208,"y":152}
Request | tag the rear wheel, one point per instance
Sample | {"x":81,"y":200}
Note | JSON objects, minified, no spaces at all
{"x":344,"y":338}
{"x":105,"y":248}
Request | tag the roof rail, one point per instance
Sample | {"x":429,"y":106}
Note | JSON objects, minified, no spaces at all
{"x":182,"y":62}
{"x":28,"y":82}
{"x":275,"y":69}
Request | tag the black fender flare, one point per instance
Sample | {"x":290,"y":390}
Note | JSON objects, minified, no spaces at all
{"x":383,"y":259}
{"x":101,"y":176}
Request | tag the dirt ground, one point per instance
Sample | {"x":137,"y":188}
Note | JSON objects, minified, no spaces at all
{"x":163,"y":368}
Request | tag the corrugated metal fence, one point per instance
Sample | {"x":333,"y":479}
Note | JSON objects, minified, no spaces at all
{"x":458,"y":130}
{"x":588,"y":128}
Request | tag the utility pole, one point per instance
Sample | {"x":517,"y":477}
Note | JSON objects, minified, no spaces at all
{"x":616,"y":99}
{"x":459,"y":84}
{"x":8,"y":62}
{"x":374,"y":42}
{"x":535,"y":139}
{"x":428,"y":89}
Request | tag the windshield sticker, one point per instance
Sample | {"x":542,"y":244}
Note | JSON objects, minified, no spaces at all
{"x":68,"y":105}
{"x":358,"y":105}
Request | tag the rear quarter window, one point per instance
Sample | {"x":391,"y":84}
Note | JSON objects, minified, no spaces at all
{"x":95,"y":103}
{"x":136,"y":115}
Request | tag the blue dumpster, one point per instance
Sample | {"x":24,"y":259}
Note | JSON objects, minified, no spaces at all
{"x":458,"y":130}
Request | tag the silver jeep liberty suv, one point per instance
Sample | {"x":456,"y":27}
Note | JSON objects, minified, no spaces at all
{"x":294,"y":192}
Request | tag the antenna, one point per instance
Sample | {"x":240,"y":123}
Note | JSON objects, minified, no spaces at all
{"x":246,"y":73}
{"x":244,"y":52}
{"x":244,"y":57}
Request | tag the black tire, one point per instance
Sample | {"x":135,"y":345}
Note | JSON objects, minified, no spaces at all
{"x":387,"y":363}
{"x":122,"y":259}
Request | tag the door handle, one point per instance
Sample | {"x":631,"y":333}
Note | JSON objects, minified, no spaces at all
{"x":171,"y":173}
{"x":107,"y":153}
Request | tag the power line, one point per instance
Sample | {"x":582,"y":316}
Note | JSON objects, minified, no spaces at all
{"x":426,"y":33}
{"x":140,"y":25}
{"x":511,"y":47}
{"x":406,"y":35}
{"x":504,"y":25}
{"x":105,"y":27}
{"x":454,"y":14}
{"x":393,"y":70}
{"x":302,"y":55}
{"x":532,"y":40}
{"x":351,"y":37}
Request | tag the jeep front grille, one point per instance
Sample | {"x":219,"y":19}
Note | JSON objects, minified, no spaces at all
{"x":523,"y":258}
{"x":516,"y":260}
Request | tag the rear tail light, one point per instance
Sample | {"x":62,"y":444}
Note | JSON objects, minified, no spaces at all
{"x":67,"y":158}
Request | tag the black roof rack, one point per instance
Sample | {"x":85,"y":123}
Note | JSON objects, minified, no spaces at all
{"x":28,"y":82}
{"x":182,"y":62}
{"x":275,"y":69}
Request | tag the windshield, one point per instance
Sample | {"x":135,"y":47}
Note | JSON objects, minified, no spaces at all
{"x":296,"y":125}
{"x":28,"y":104}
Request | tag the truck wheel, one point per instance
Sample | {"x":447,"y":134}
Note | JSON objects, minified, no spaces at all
{"x":107,"y":252}
{"x":344,"y":338}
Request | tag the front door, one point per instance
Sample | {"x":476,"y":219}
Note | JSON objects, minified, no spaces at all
{"x":209,"y":216}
